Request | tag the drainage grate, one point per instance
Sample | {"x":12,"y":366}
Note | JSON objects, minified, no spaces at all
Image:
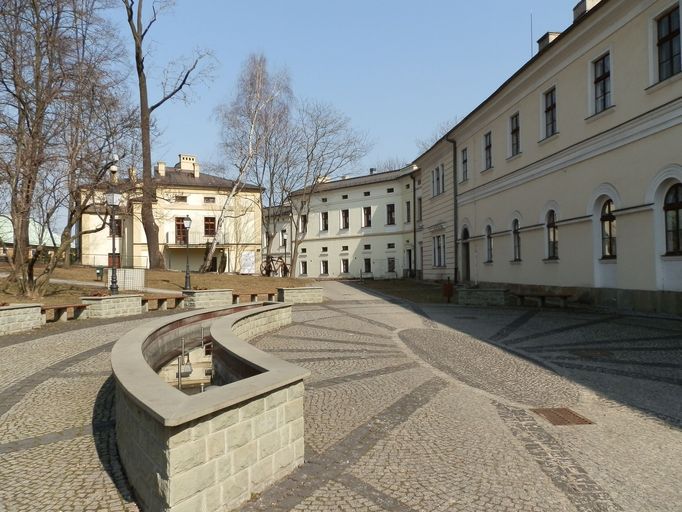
{"x":562,"y":416}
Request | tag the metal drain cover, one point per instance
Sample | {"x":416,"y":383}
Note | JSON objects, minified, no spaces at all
{"x":562,"y":416}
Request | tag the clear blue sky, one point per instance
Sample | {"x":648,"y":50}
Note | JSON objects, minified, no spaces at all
{"x":398,"y":69}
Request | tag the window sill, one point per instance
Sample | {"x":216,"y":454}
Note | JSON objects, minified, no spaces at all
{"x":386,"y":225}
{"x":607,"y":261}
{"x":514,"y":157}
{"x":671,"y":257}
{"x":515,"y":262}
{"x":549,"y":138}
{"x":659,"y":85}
{"x":488,"y":262}
{"x":550,"y":260}
{"x":488,"y":169}
{"x":594,"y":117}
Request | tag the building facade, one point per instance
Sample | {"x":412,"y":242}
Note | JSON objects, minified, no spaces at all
{"x":181,"y":191}
{"x":570,"y":174}
{"x":359,"y":227}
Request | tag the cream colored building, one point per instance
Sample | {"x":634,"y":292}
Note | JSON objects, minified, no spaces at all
{"x":182,"y":190}
{"x":565,"y":175}
{"x":361,"y":227}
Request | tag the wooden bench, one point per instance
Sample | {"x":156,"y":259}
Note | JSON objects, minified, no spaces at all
{"x":61,"y":312}
{"x":542,"y":298}
{"x":162,"y":302}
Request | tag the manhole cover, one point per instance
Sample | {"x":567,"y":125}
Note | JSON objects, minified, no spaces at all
{"x":562,"y":416}
{"x":591,"y":353}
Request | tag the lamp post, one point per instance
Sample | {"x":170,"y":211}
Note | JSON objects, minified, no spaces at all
{"x":113,"y":198}
{"x":187,"y":222}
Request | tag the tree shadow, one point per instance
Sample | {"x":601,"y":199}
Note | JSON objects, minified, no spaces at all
{"x":104,"y":434}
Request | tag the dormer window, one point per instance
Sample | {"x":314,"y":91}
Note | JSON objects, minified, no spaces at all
{"x":180,"y":199}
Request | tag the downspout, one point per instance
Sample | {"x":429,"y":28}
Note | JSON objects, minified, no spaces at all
{"x":414,"y":219}
{"x":454,"y":201}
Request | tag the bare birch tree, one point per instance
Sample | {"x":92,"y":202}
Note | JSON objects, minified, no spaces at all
{"x":178,"y":79}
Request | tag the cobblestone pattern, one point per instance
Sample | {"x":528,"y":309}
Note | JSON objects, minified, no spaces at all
{"x":115,"y":306}
{"x":18,"y":318}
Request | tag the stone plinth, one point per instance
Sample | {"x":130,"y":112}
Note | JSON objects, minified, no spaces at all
{"x":20,"y":317}
{"x":113,"y":306}
{"x":201,"y":299}
{"x":305,"y":295}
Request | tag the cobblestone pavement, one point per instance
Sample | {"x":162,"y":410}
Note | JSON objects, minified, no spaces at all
{"x":408,"y":408}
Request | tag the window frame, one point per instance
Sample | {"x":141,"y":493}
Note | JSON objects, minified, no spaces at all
{"x":345,"y":266}
{"x":367,"y":264}
{"x":514,"y":135}
{"x":550,"y":124}
{"x":324,"y":221}
{"x":673,"y":237}
{"x":210,"y":226}
{"x":390,"y":214}
{"x":324,"y":267}
{"x":487,"y":150}
{"x":516,"y":240}
{"x":602,"y":90}
{"x":408,"y":212}
{"x":345,"y":218}
{"x":607,"y":226}
{"x":488,"y":244}
{"x":552,"y":235}
{"x":366,"y":216}
{"x":669,"y":41}
{"x":464,"y":154}
{"x":303,"y":267}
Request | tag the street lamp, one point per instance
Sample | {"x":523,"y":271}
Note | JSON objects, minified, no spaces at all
{"x":113,"y":199}
{"x":187,"y":222}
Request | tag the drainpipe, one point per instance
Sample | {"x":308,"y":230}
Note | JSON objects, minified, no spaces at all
{"x":454,"y":200}
{"x":414,"y":219}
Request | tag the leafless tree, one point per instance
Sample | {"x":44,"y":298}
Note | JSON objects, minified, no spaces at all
{"x":61,"y":116}
{"x":178,"y":80}
{"x":390,"y":164}
{"x":424,"y":144}
{"x":247,"y":125}
{"x":328,"y":146}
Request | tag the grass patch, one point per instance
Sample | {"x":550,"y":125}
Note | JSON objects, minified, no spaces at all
{"x":422,"y":292}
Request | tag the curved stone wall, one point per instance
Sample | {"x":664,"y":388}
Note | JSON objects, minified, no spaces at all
{"x":213,"y":450}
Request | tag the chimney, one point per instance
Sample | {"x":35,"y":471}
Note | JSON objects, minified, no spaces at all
{"x":372,"y":170}
{"x":196,"y":170}
{"x":132,"y":174}
{"x":544,"y":41}
{"x":160,"y":168}
{"x":113,"y":174}
{"x":583,"y":7}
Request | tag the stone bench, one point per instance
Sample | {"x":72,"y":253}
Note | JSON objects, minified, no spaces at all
{"x":162,"y":302}
{"x":64,"y":312}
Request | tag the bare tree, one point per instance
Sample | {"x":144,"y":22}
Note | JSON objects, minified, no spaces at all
{"x":424,"y":144}
{"x":178,"y":79}
{"x":328,"y":146}
{"x":61,"y":117}
{"x":247,"y":124}
{"x":390,"y":164}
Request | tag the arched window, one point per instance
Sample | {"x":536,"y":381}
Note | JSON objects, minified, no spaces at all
{"x":608,"y":231}
{"x":516,"y":236}
{"x":552,"y":237}
{"x":488,"y":244}
{"x":672,"y":207}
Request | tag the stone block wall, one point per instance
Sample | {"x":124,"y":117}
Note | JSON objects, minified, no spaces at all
{"x":305,"y":295}
{"x":252,"y":326}
{"x":482,"y":296}
{"x":202,"y":299}
{"x":20,"y":317}
{"x":215,"y":462}
{"x":113,"y":306}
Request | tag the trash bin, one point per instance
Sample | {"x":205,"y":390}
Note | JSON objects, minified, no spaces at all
{"x":99,"y":273}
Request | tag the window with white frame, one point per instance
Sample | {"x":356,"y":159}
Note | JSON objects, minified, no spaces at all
{"x":390,"y":214}
{"x":283,"y":238}
{"x":345,"y":219}
{"x":516,"y":240}
{"x":391,"y":264}
{"x":488,"y":244}
{"x":672,"y":209}
{"x":368,"y":265}
{"x":344,"y":265}
{"x":601,"y":69}
{"x":552,"y":236}
{"x":514,"y":135}
{"x":324,"y":221}
{"x":465,"y":164}
{"x":550,"y":124}
{"x":487,"y":151}
{"x":439,"y":251}
{"x":438,"y":180}
{"x":408,"y":212}
{"x":608,"y":231}
{"x":324,"y":267}
{"x":303,"y":223}
{"x":304,"y":268}
{"x":367,"y":216}
{"x":668,"y":43}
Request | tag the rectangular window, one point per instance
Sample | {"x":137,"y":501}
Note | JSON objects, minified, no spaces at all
{"x":304,"y":250}
{"x":515,"y":134}
{"x":180,"y":199}
{"x":419,"y":209}
{"x":367,"y":247}
{"x":283,"y":238}
{"x":602,"y":83}
{"x":668,"y":43}
{"x":550,"y":113}
{"x":324,"y":221}
{"x":324,"y":199}
{"x":488,"y":150}
{"x":389,"y":190}
{"x":324,"y":267}
{"x":390,"y":246}
{"x":304,"y":268}
{"x":390,"y":214}
{"x":465,"y":164}
{"x":367,"y":217}
{"x":344,"y":248}
{"x":408,"y":212}
{"x":345,"y":219}
{"x":391,"y":264}
{"x":344,"y":196}
{"x":304,"y":224}
{"x":324,"y":248}
{"x":344,"y":266}
{"x":118,"y":228}
{"x":180,"y":231}
{"x":439,"y":251}
{"x":438,"y":180}
{"x":209,"y":199}
{"x":368,"y":264}
{"x":365,"y":194}
{"x":209,"y":226}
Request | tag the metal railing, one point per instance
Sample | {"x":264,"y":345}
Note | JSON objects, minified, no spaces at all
{"x":195,"y":238}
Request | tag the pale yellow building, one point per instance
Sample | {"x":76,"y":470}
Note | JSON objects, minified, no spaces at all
{"x":181,"y":191}
{"x":570,"y":174}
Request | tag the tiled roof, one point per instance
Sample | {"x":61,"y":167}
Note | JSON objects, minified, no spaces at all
{"x":369,"y":179}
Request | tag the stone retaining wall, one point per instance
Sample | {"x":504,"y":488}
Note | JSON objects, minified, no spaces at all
{"x":113,"y":306}
{"x":214,"y":450}
{"x":201,"y":299}
{"x":305,"y":295}
{"x":20,"y":317}
{"x":482,"y":296}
